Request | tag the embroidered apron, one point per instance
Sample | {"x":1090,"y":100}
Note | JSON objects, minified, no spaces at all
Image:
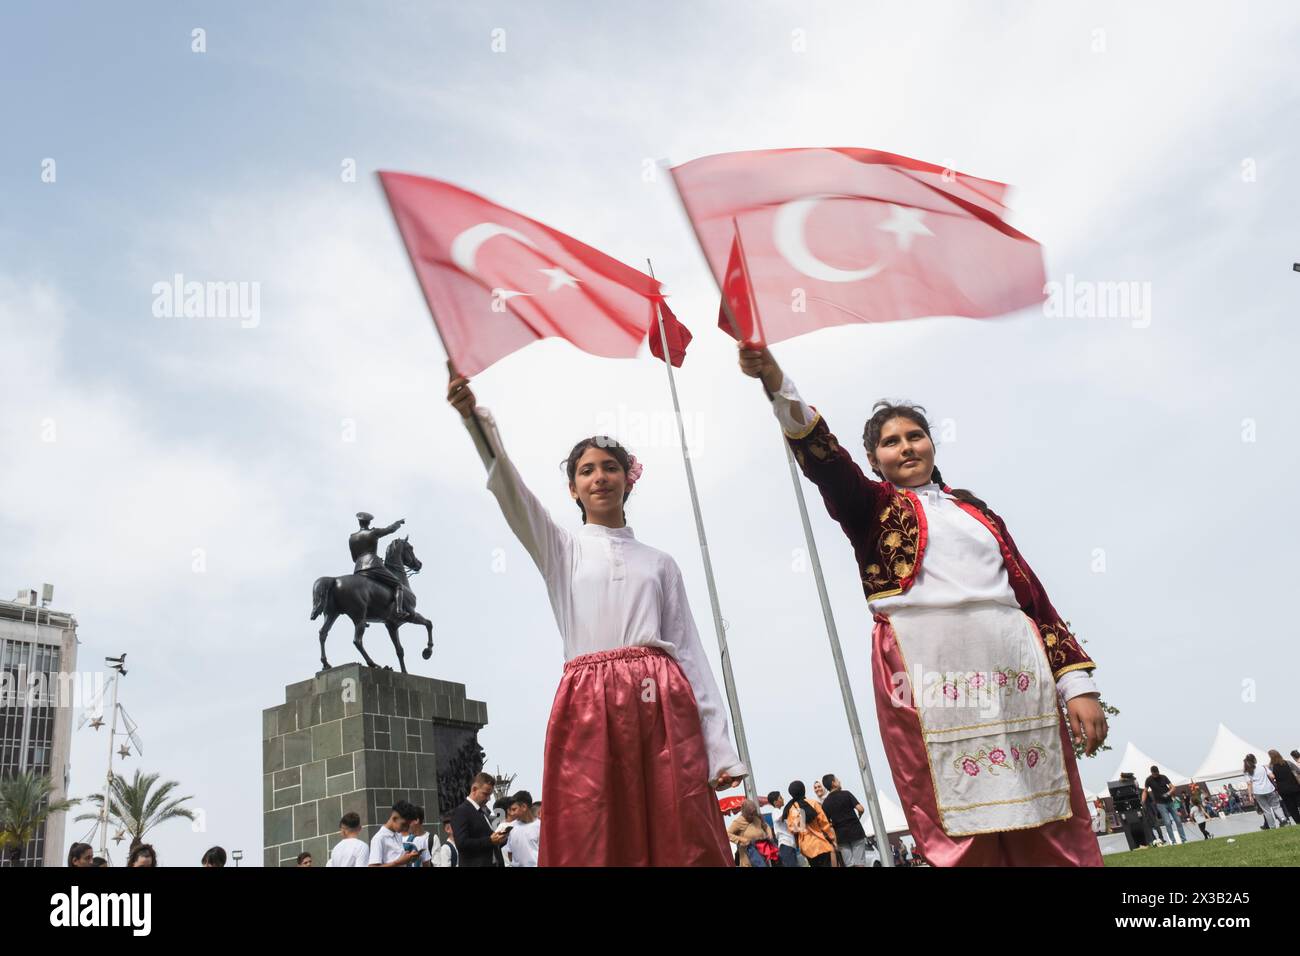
{"x":986,"y":700}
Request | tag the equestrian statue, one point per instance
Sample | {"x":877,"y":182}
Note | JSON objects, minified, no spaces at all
{"x":376,"y":591}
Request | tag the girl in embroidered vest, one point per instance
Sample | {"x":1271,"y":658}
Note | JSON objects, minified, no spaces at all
{"x":637,"y":739}
{"x":968,"y":655}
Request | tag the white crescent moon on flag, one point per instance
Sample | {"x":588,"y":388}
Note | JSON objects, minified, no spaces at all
{"x":788,"y":231}
{"x":465,"y":246}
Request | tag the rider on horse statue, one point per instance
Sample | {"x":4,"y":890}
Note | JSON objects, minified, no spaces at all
{"x":376,"y":592}
{"x":364,"y":544}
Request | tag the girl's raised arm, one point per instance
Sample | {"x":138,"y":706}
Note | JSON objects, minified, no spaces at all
{"x":851,"y":497}
{"x":549,"y":545}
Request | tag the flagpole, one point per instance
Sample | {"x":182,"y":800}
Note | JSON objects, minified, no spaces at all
{"x":883,"y":849}
{"x":433,"y":314}
{"x":108,"y":777}
{"x":728,"y":679}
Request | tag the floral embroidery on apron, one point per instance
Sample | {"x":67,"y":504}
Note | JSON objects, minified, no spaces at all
{"x":984,"y":694}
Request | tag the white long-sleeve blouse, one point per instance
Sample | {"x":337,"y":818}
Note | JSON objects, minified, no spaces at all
{"x":963,"y":563}
{"x":608,"y":590}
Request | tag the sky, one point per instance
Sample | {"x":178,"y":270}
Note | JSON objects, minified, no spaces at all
{"x":182,"y":481}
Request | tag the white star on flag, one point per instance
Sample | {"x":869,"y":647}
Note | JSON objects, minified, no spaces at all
{"x":559,"y":279}
{"x":905,"y":222}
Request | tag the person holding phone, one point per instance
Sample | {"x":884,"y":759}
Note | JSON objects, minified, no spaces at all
{"x":387,"y":846}
{"x":419,"y":839}
{"x":476,"y":842}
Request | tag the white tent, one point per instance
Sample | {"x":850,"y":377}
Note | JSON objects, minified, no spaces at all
{"x":895,"y":822}
{"x":1223,"y":762}
{"x":1134,"y":761}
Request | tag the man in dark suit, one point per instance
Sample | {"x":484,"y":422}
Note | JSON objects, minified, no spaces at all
{"x":471,"y":826}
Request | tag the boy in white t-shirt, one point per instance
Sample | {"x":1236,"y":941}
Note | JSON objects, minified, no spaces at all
{"x":351,"y":850}
{"x":446,"y":854}
{"x":525,"y":830}
{"x":424,"y":842}
{"x":387,"y":845}
{"x":785,"y":842}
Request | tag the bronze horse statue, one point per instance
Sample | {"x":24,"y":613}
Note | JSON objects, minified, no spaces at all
{"x":364,"y":599}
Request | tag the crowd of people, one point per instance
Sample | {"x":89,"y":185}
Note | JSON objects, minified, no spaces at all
{"x":1272,"y":790}
{"x":824,"y":830}
{"x":142,"y":854}
{"x":472,"y":835}
{"x":780,"y":830}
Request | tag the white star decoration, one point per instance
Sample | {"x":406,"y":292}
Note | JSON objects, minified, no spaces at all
{"x":559,"y":279}
{"x":905,"y":222}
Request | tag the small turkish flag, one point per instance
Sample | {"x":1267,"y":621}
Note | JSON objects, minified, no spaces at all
{"x":496,"y":280}
{"x":832,"y":236}
{"x":678,"y":336}
{"x":736,"y":314}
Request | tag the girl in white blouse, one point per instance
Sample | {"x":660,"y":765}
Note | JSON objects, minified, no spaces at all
{"x":637,"y":739}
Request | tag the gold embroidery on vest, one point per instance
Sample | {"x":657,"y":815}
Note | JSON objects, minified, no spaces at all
{"x":1060,"y":644}
{"x":900,"y":537}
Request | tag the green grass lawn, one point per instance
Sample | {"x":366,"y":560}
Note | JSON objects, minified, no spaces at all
{"x":1260,"y":848}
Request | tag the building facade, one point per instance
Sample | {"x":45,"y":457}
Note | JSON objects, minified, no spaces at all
{"x":38,"y":665}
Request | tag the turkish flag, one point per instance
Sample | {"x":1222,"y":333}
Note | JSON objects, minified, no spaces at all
{"x":678,"y":336}
{"x":736,"y":313}
{"x":832,"y":236}
{"x":496,"y":280}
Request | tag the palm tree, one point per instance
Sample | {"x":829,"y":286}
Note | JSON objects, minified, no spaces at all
{"x":24,"y":805}
{"x":137,"y":807}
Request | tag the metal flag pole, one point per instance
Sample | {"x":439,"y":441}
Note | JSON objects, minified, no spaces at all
{"x":832,"y":633}
{"x":108,"y":777}
{"x":728,"y":679}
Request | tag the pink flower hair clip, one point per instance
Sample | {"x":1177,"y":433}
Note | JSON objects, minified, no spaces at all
{"x":634,"y":469}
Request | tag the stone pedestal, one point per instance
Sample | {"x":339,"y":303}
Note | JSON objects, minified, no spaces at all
{"x":354,"y":738}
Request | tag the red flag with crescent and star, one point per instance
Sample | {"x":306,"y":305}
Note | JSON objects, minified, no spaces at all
{"x":736,"y":313}
{"x":496,"y":280}
{"x":834,"y":236}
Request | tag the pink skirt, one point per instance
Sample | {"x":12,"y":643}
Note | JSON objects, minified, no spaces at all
{"x":1068,"y":842}
{"x":626,"y":771}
